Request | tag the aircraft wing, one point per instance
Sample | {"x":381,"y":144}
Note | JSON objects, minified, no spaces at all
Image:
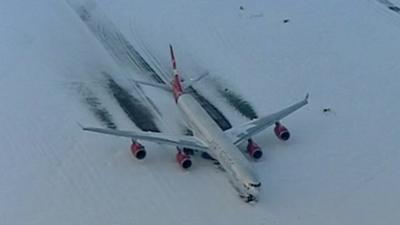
{"x":180,"y":141}
{"x":246,"y":130}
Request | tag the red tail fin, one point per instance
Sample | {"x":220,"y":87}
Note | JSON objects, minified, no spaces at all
{"x":176,"y":82}
{"x":177,"y":87}
{"x":172,"y":57}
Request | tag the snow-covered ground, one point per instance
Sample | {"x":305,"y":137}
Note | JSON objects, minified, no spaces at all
{"x":340,"y":167}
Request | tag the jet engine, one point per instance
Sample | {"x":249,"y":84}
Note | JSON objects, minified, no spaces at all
{"x":253,"y":149}
{"x":281,"y":132}
{"x":138,"y":150}
{"x":183,"y":159}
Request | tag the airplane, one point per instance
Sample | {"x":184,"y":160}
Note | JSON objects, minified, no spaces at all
{"x":208,"y":137}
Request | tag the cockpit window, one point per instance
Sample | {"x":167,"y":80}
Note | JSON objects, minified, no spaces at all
{"x":255,"y":185}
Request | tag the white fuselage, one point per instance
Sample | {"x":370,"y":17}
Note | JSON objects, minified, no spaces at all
{"x":221,"y":146}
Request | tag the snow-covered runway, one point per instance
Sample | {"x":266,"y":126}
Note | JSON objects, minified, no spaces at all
{"x":338,"y":168}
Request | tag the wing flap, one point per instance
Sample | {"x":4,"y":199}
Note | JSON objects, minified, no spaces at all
{"x":181,"y":141}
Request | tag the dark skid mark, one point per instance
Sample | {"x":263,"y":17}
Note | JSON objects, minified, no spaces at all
{"x":114,"y":41}
{"x":394,"y":8}
{"x":126,"y":55}
{"x":84,"y":14}
{"x":134,"y":109}
{"x":188,"y":132}
{"x":239,"y":103}
{"x":96,"y":108}
{"x":390,"y":5}
{"x":215,"y":114}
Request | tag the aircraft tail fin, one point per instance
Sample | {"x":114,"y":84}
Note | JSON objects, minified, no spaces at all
{"x":176,"y":82}
{"x":172,"y":57}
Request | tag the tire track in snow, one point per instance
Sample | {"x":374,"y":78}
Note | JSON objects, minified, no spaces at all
{"x":95,"y":106}
{"x":128,"y":57}
{"x":235,"y":100}
{"x":107,"y":33}
{"x":238,"y":102}
{"x":391,"y":6}
{"x":139,"y":108}
{"x":138,"y":113}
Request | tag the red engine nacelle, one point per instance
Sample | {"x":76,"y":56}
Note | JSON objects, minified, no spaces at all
{"x":281,"y":132}
{"x":253,"y":149}
{"x":183,"y":160}
{"x":138,"y":150}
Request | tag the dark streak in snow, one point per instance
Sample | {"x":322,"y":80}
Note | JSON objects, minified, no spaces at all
{"x":133,"y":108}
{"x":99,"y":111}
{"x":215,"y":114}
{"x":126,"y":55}
{"x":239,"y":103}
{"x":390,"y":5}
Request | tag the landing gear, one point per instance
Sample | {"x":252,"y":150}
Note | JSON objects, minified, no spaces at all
{"x":248,"y":198}
{"x":188,"y":151}
{"x":251,"y":198}
{"x":207,"y":156}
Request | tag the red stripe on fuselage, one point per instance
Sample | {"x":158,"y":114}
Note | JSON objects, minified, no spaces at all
{"x":177,"y":87}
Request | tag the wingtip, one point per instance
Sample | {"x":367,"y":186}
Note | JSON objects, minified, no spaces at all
{"x":135,"y":81}
{"x":307,"y":95}
{"x":80,"y":125}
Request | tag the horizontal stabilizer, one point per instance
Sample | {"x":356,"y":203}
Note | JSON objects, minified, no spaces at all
{"x":161,"y":86}
{"x":195,"y":80}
